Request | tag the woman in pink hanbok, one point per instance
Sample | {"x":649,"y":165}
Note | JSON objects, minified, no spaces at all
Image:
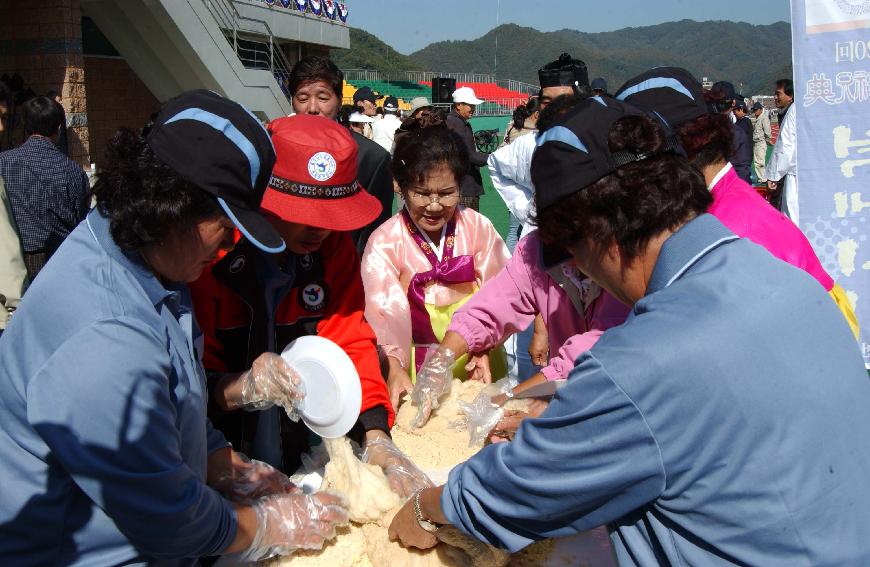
{"x":431,"y":257}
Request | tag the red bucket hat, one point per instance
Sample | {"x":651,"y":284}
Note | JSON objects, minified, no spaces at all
{"x":314,"y":181}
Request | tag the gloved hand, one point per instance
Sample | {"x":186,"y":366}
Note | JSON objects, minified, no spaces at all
{"x":433,"y":382}
{"x":271,"y":381}
{"x":288,"y":522}
{"x":482,"y":414}
{"x":247,"y":480}
{"x":404,"y":476}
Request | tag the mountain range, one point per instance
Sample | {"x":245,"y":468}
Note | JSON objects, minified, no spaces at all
{"x":750,"y":56}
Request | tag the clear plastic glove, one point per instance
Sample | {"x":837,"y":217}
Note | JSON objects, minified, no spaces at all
{"x":482,"y":414}
{"x":433,"y":382}
{"x":404,"y":476}
{"x":289,"y":522}
{"x":247,"y":480}
{"x":507,"y":427}
{"x":271,"y":381}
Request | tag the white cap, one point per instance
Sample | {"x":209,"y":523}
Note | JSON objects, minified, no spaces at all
{"x":466,"y":95}
{"x":360,"y":117}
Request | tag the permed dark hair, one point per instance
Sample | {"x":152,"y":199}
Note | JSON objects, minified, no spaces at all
{"x":786,"y":85}
{"x":143,"y":198}
{"x":42,"y":116}
{"x":316,"y":68}
{"x":707,"y":139}
{"x":634,"y":203}
{"x":422,"y":142}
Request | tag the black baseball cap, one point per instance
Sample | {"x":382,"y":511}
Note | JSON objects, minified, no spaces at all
{"x":564,"y":72}
{"x":757,"y":106}
{"x":220,"y":147}
{"x":739,"y":103}
{"x":728,"y":90}
{"x":391,"y":104}
{"x":671,"y":93}
{"x":599,"y":84}
{"x":575,"y":153}
{"x":364,"y":93}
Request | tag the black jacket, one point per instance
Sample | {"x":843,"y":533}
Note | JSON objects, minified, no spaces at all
{"x":741,"y":157}
{"x":746,"y":125}
{"x":373,"y":164}
{"x":472,"y":183}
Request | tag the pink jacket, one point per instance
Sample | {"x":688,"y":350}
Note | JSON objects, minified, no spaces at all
{"x":510,"y":300}
{"x":739,"y":207}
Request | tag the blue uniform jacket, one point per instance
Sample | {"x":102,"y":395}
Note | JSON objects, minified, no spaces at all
{"x":725,"y":422}
{"x":103,"y":429}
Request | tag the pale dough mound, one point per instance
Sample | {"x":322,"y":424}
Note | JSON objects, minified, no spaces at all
{"x":439,"y":445}
{"x":367,"y":490}
{"x":346,"y":550}
{"x":443,"y":441}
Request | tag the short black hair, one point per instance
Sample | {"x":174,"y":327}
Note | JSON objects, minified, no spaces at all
{"x":316,"y":68}
{"x":707,"y":139}
{"x":634,"y":203}
{"x":422,"y":142}
{"x":145,"y":199}
{"x":786,"y":85}
{"x":42,"y":116}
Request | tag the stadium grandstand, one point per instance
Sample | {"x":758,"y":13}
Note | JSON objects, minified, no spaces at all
{"x":501,"y":96}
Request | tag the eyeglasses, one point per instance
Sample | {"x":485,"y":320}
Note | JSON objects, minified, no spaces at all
{"x":423,"y":199}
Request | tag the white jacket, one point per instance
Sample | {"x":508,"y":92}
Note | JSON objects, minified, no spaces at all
{"x":510,"y":169}
{"x":783,"y":163}
{"x":384,"y":131}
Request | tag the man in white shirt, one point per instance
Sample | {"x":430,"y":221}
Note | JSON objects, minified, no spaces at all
{"x":782,"y":167}
{"x":384,"y":130}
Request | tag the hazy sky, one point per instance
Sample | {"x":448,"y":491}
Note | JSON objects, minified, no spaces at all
{"x":409,"y":25}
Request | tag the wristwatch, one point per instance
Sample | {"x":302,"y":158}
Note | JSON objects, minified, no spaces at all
{"x":430,"y":527}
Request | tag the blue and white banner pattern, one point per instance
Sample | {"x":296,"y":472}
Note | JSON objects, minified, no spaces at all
{"x":330,"y":9}
{"x":831,"y":45}
{"x":301,"y":4}
{"x":342,"y":12}
{"x":316,"y":7}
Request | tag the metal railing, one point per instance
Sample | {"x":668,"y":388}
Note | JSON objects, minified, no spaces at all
{"x":252,"y":40}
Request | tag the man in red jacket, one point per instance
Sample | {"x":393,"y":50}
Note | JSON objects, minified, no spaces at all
{"x":251,"y":302}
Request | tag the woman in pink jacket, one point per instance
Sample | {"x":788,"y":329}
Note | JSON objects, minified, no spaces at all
{"x":574,"y":309}
{"x":678,"y":99}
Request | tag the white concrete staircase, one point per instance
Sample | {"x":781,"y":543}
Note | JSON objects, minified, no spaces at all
{"x":177,"y":45}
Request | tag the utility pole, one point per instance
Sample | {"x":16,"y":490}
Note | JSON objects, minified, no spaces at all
{"x":497,"y":23}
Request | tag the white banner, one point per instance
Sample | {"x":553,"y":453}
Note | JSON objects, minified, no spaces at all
{"x":831,"y":43}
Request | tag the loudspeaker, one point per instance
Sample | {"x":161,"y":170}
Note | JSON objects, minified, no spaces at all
{"x":442,"y":90}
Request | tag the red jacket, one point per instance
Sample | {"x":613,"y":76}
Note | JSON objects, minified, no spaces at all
{"x":326,"y":299}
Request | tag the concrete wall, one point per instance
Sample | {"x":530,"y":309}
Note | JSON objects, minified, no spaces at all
{"x":116,"y":98}
{"x":41,"y":41}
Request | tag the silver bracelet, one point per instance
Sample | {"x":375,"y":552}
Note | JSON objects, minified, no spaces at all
{"x":427,"y":525}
